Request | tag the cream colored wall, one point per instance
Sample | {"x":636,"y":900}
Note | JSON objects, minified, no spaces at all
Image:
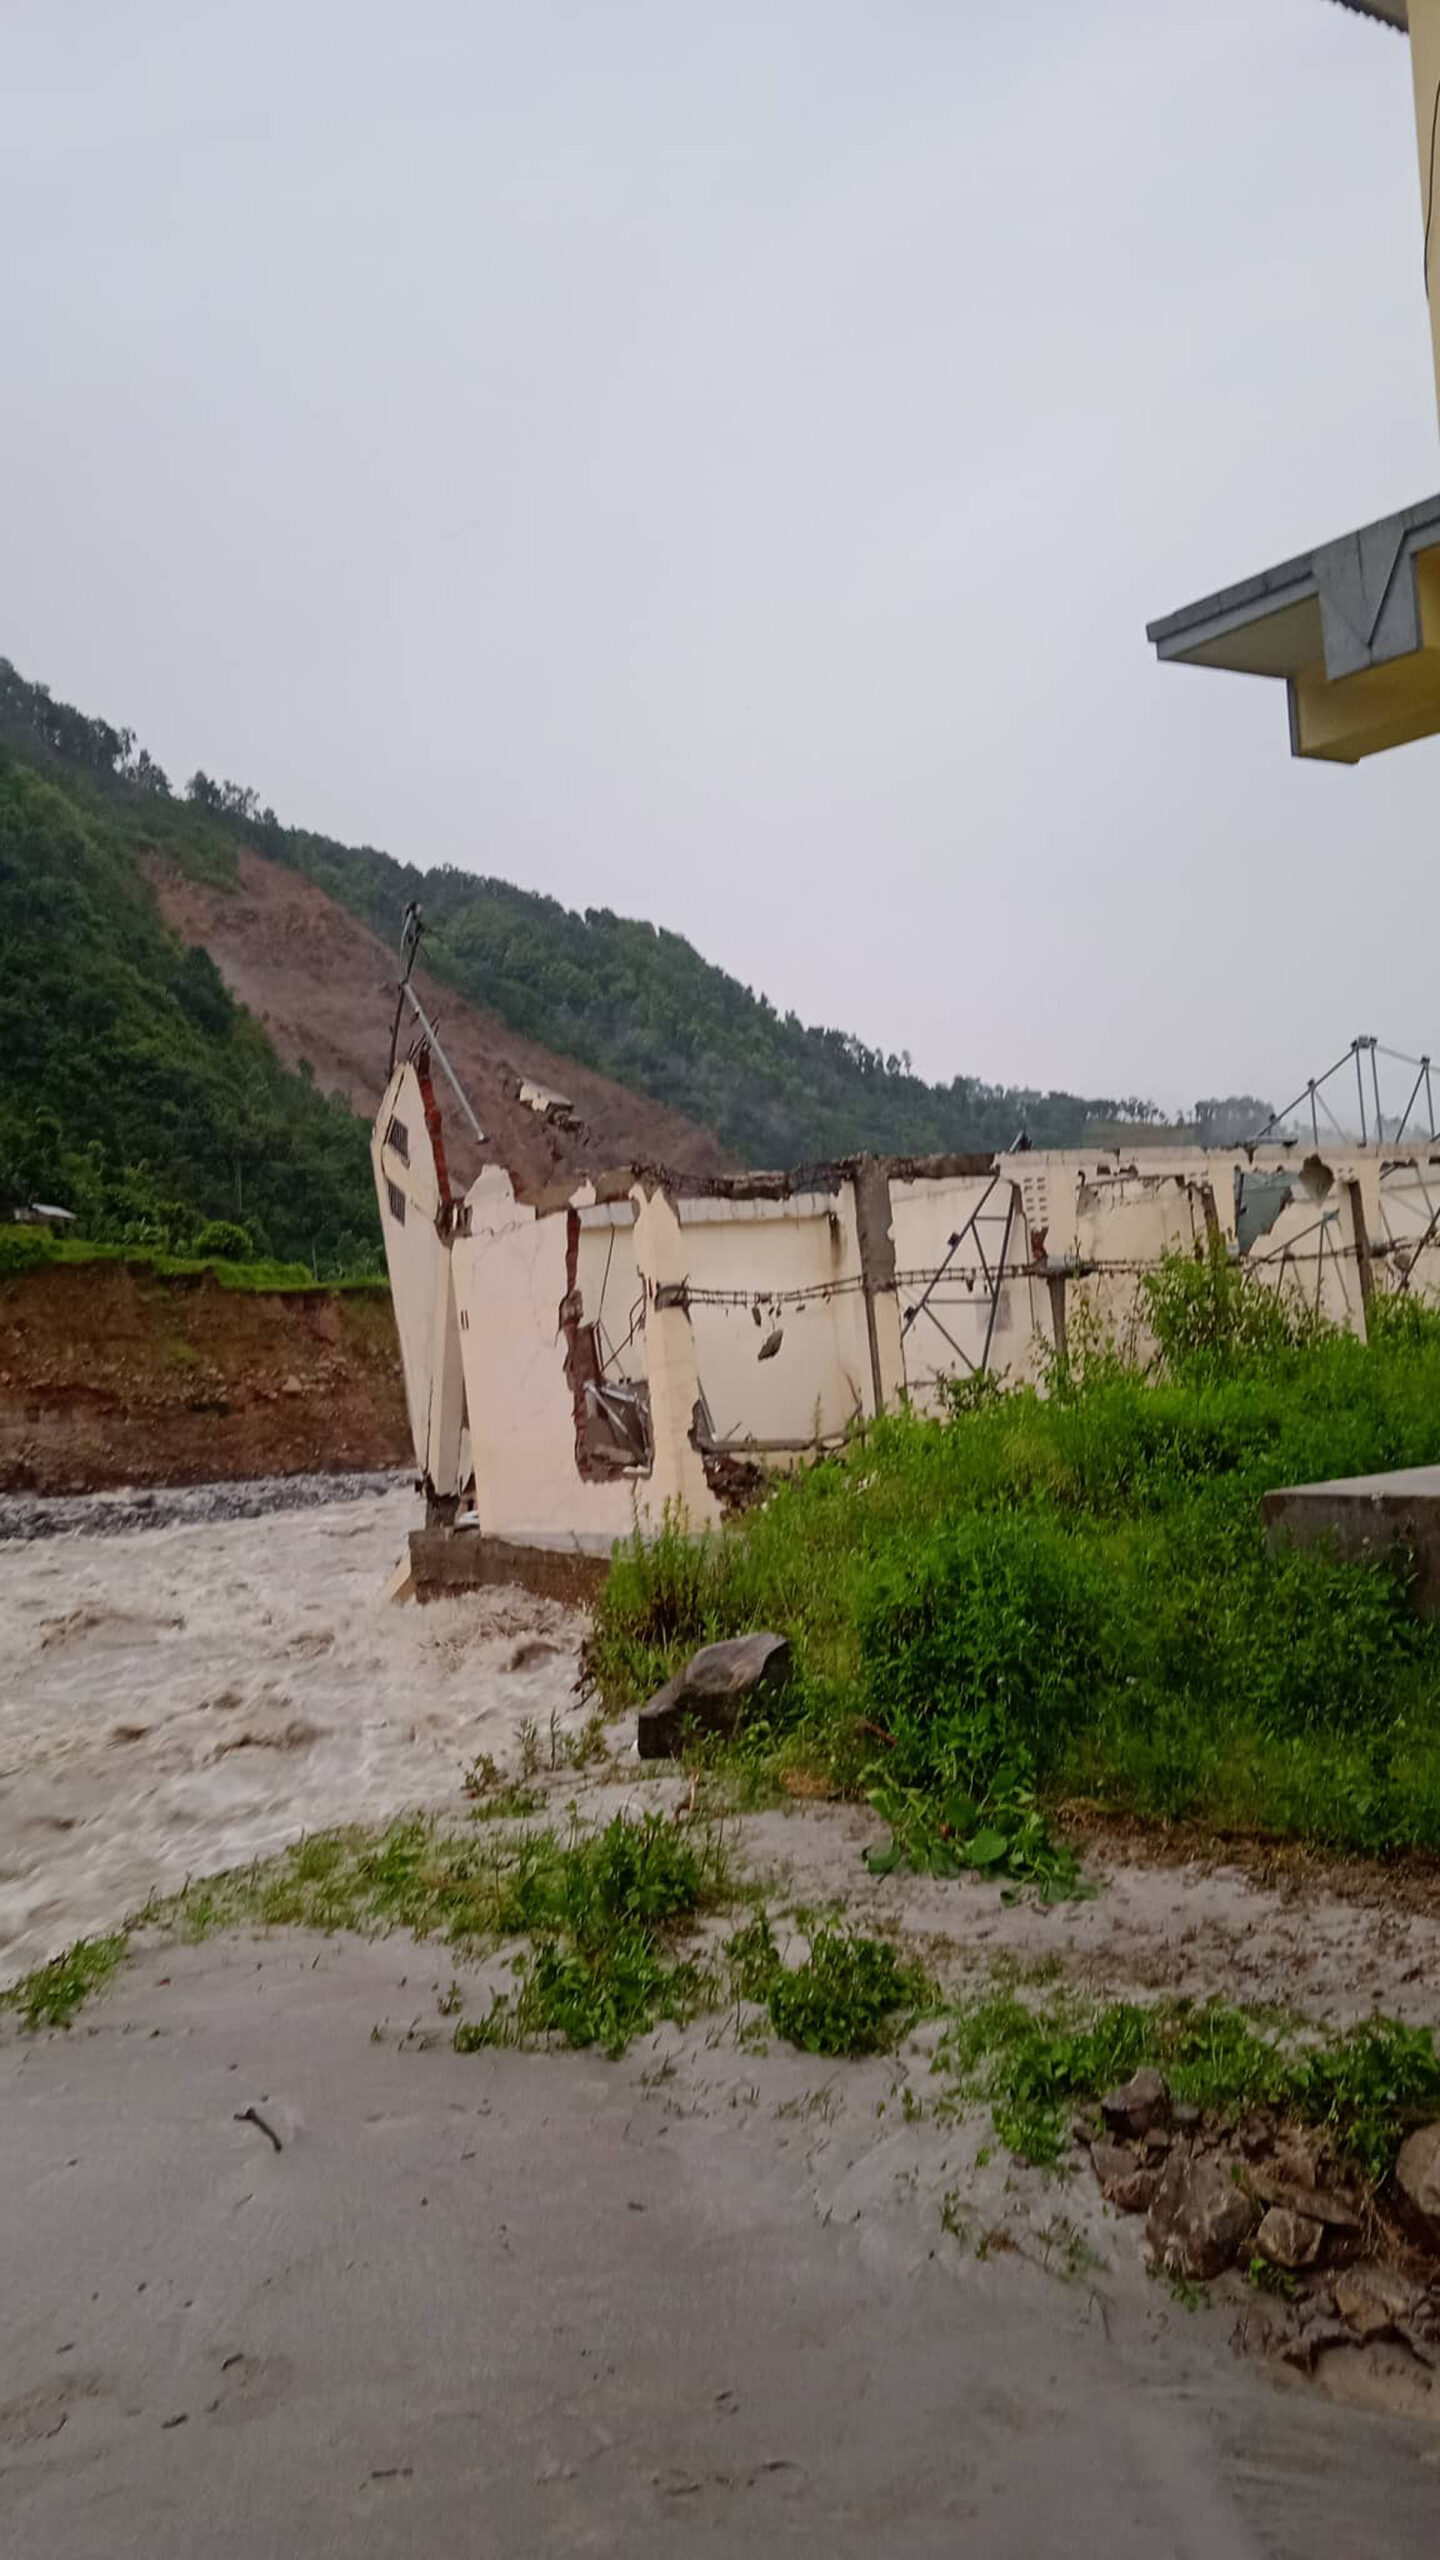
{"x":418,"y":1260}
{"x":1425,"y":71}
{"x":803,"y":1255}
{"x":1309,"y":1256}
{"x":925,"y":1213}
{"x":1131,"y":1220}
{"x":677,"y":1488}
{"x":611,"y":1293}
{"x":509,"y":1285}
{"x":1409,"y":1217}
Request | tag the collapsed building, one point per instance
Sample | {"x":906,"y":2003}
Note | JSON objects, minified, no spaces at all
{"x":649,"y":1346}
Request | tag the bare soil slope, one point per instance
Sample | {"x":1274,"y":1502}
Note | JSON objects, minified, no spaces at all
{"x":324,"y":988}
{"x":110,"y":1375}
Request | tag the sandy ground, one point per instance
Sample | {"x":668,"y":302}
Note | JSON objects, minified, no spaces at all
{"x":701,"y":2299}
{"x":178,"y":1700}
{"x":1202,"y":1928}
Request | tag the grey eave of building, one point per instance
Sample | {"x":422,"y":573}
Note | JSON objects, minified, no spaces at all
{"x":1351,"y":604}
{"x":1391,"y":13}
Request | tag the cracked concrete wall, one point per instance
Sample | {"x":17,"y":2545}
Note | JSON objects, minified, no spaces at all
{"x":511,"y":1281}
{"x":814,"y":1377}
{"x":412,"y":1191}
{"x":760,"y":1321}
{"x":945,"y":1306}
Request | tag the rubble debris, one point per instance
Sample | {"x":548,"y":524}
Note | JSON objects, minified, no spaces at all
{"x":712,"y":1692}
{"x":1200,"y":2219}
{"x":1110,"y":2160}
{"x":1142,"y":2104}
{"x":1134,"y":2189}
{"x":1289,"y":2240}
{"x":1290,"y":2195}
{"x":737,"y":1483}
{"x":1302,"y":2347}
{"x":1372,"y":2299}
{"x":1417,"y":2175}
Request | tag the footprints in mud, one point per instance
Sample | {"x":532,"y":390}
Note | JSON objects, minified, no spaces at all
{"x":700,"y":2491}
{"x":86,"y":2409}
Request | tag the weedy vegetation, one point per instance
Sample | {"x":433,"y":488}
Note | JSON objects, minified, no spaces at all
{"x":1033,"y":2064}
{"x":51,"y":1995}
{"x":1070,"y":1596}
{"x":850,"y":1995}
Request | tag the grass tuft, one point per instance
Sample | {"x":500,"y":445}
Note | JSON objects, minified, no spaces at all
{"x":51,"y":1995}
{"x":852,"y":1994}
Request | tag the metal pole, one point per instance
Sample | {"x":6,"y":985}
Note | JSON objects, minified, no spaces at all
{"x":455,"y":1085}
{"x":1363,"y":1263}
{"x":956,"y":1242}
{"x":1429,"y":1097}
{"x":1409,"y":1107}
{"x":1375,"y":1088}
{"x":999,"y":1278}
{"x":1314,"y":1114}
{"x":1355,"y":1049}
{"x":410,"y":932}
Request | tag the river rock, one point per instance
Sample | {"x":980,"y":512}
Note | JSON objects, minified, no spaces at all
{"x":1111,"y":2160}
{"x":1372,"y":2299}
{"x":712,"y":1693}
{"x":1417,"y":2175}
{"x":1289,"y":2239}
{"x":1135,"y":2192}
{"x":1318,"y":2204}
{"x":1139,"y":2106}
{"x":1199,"y":2219}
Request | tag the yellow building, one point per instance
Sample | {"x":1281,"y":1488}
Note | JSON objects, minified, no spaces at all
{"x":1353,"y":627}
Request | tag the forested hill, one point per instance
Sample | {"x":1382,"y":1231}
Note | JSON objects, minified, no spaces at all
{"x":134,"y":1091}
{"x":637,"y":1004}
{"x":641,"y":1005}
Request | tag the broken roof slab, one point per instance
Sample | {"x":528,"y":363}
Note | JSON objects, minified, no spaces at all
{"x":1353,"y":627}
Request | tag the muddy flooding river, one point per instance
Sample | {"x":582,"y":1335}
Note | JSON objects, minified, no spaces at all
{"x":179,"y":1699}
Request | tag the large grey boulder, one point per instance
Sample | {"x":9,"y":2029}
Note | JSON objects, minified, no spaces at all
{"x":712,"y":1693}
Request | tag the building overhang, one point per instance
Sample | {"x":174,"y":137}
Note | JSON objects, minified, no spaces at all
{"x":1353,"y":628}
{"x":1391,"y":13}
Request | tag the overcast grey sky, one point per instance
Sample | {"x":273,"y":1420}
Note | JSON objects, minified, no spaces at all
{"x":717,"y":461}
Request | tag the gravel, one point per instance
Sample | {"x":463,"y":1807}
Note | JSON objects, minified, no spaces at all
{"x":26,"y":1516}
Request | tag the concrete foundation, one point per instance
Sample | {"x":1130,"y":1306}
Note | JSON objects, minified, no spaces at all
{"x":1367,"y":1518}
{"x":446,"y":1560}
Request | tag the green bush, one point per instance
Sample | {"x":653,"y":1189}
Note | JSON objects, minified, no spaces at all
{"x":978,"y":1648}
{"x":21,"y":1248}
{"x":225,"y":1238}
